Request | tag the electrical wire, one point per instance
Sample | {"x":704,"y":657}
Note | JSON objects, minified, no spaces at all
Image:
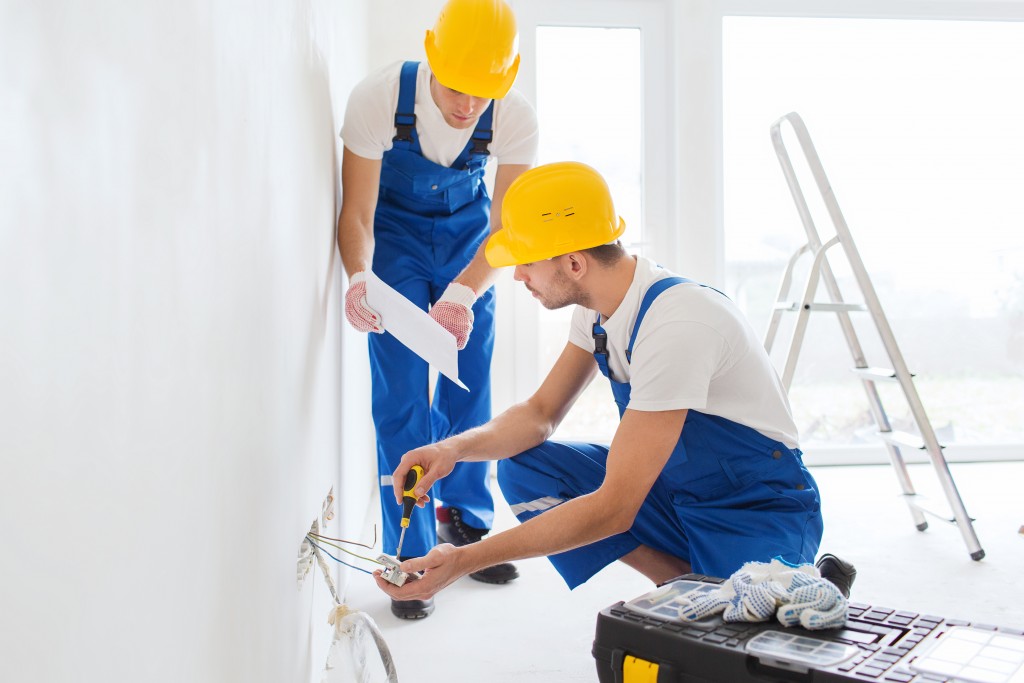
{"x":320,"y":539}
{"x":342,"y":540}
{"x":313,"y":543}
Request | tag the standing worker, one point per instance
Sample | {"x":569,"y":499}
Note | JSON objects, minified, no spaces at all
{"x":415,"y":211}
{"x":704,"y":472}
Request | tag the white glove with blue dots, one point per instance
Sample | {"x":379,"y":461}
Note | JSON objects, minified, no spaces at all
{"x":795,"y":594}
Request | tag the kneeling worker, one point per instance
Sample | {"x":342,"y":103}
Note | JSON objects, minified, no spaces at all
{"x":704,"y":472}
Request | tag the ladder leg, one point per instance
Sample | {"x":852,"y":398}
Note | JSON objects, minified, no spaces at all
{"x":956,"y":503}
{"x":899,"y":465}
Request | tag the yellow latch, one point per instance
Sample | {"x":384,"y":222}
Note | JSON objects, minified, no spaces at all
{"x":636,"y":670}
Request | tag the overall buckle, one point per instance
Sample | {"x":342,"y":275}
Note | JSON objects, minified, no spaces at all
{"x":404,"y":125}
{"x":600,"y":340}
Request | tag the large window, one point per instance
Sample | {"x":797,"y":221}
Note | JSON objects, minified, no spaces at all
{"x":916,"y":110}
{"x":918,"y":124}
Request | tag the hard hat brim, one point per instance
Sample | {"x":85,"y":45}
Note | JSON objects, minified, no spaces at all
{"x":498,"y":250}
{"x":499,"y":253}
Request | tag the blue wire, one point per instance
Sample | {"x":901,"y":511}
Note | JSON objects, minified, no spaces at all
{"x":336,"y":559}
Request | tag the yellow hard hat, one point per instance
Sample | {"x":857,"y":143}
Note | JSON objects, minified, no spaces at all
{"x":552,"y":210}
{"x":474,"y":47}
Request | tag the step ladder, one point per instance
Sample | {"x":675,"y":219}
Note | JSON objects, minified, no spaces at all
{"x":819,"y":271}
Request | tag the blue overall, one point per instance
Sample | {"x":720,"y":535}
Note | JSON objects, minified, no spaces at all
{"x":429,"y":222}
{"x":727,"y":495}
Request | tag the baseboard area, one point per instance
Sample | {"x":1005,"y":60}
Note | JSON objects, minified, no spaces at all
{"x":826,"y":455}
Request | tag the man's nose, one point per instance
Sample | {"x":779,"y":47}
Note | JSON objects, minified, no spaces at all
{"x":517,"y":274}
{"x":464,"y":105}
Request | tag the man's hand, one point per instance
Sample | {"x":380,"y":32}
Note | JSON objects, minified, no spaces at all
{"x":359,"y":314}
{"x":440,"y":567}
{"x":454,"y":312}
{"x":437,"y":460}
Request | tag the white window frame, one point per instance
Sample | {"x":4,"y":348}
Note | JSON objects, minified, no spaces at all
{"x":518,"y":313}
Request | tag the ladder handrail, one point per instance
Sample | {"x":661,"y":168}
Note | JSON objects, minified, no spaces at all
{"x":813,"y":239}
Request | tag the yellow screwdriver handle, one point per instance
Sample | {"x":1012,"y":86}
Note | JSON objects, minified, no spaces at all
{"x":409,"y":497}
{"x":412,"y":478}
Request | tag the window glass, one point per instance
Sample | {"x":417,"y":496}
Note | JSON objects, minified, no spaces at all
{"x":589,"y":97}
{"x":918,"y":125}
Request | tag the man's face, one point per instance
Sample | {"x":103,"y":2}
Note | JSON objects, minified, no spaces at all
{"x":459,"y":110}
{"x":549,"y":284}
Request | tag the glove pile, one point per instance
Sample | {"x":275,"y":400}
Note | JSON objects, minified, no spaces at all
{"x":795,"y":594}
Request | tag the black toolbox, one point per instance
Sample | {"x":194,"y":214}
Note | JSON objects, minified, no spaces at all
{"x":644,"y":641}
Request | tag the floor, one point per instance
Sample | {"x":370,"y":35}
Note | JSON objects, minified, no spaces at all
{"x":536,"y":630}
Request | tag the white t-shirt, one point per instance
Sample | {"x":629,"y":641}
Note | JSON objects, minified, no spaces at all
{"x":695,"y":350}
{"x":369,"y":126}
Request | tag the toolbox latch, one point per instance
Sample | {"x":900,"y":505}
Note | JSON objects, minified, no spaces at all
{"x":636,"y":670}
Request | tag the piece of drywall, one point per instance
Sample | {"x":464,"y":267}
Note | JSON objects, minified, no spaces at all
{"x":173,"y":362}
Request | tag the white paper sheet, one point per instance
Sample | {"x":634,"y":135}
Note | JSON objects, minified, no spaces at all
{"x":413,"y":327}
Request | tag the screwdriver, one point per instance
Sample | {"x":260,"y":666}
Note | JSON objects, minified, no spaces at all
{"x":409,"y":499}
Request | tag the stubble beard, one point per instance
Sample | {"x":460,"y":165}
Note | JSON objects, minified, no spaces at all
{"x":566,"y":293}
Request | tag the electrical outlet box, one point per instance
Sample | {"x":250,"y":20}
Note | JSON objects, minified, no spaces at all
{"x":391,"y":573}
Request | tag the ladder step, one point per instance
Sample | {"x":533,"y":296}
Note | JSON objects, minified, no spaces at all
{"x":832,"y":308}
{"x":903,"y":439}
{"x":921,"y":504}
{"x":877,"y":374}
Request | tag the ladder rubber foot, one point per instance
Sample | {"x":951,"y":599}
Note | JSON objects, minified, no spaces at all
{"x":978,"y":555}
{"x":922,"y":526}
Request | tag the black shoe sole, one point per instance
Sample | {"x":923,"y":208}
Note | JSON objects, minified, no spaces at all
{"x":487,"y":579}
{"x":409,"y":613}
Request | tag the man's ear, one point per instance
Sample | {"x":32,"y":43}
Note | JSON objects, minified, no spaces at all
{"x":577,"y":263}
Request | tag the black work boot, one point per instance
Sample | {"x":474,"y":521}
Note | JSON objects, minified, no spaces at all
{"x":837,"y":571}
{"x":412,"y":609}
{"x":452,"y":529}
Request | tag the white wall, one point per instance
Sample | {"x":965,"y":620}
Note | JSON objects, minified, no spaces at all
{"x":391,"y":40}
{"x":170,"y":348}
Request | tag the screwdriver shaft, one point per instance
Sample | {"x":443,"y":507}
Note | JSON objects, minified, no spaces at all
{"x":398,"y":552}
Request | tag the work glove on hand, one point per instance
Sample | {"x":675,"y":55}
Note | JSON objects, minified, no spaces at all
{"x":359,"y":314}
{"x":454,"y":312}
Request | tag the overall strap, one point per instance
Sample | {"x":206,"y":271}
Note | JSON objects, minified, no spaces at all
{"x":405,"y":112}
{"x":601,"y":347}
{"x":476,"y":152}
{"x":649,"y":296}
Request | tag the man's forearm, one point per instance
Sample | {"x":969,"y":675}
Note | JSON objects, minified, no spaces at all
{"x":478,"y":274}
{"x":355,"y":244}
{"x":575,"y":523}
{"x":519,"y":428}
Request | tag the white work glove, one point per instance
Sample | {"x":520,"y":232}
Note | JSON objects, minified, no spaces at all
{"x":750,"y":594}
{"x":359,"y":314}
{"x":757,"y":590}
{"x":813,"y":603}
{"x":454,"y":312}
